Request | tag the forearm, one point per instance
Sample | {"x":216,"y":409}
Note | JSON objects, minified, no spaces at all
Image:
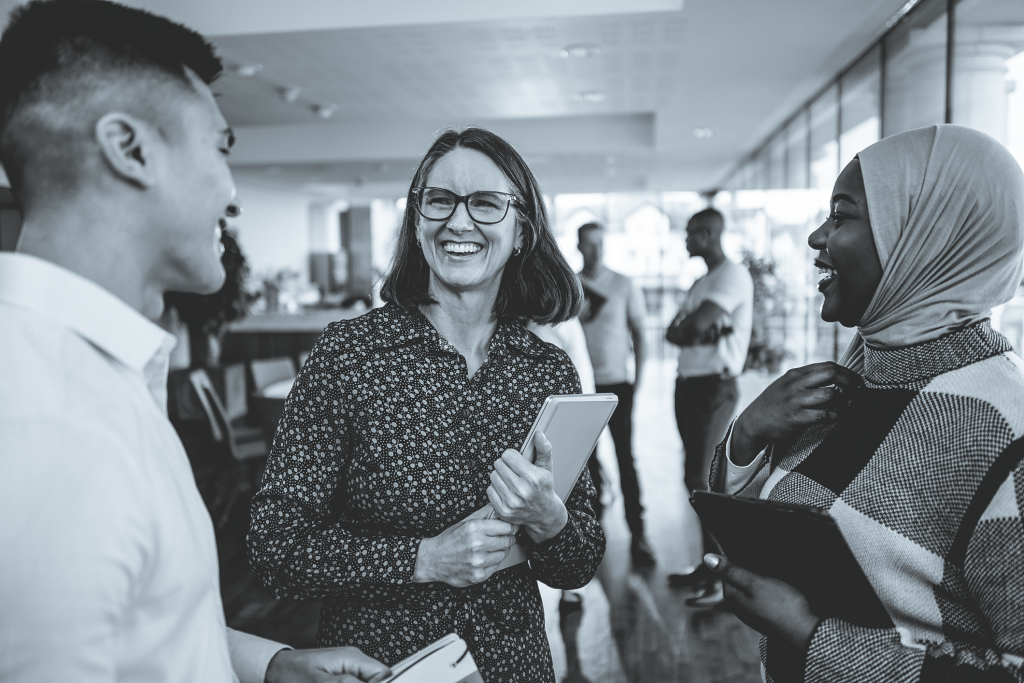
{"x":298,"y":557}
{"x":843,"y":653}
{"x":570,"y":559}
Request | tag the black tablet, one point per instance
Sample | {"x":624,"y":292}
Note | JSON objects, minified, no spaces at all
{"x":798,"y":544}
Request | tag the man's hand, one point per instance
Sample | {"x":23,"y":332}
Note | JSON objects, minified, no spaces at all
{"x":703,"y":326}
{"x":800,"y":398}
{"x":334,"y":665}
{"x":523,"y":493}
{"x":769,"y":606}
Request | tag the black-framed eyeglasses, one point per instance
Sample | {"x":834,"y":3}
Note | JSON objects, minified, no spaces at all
{"x":437,"y":204}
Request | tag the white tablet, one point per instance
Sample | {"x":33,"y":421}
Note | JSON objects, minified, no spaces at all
{"x":572,"y":424}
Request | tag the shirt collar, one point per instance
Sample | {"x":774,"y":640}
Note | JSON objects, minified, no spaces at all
{"x":509,"y":334}
{"x":90,"y":311}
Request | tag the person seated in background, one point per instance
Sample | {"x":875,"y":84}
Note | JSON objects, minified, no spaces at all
{"x":404,"y":421}
{"x":914,"y":443}
{"x":117,"y":154}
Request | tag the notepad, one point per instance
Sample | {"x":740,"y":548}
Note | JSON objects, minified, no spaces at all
{"x":444,"y":661}
{"x":798,"y":544}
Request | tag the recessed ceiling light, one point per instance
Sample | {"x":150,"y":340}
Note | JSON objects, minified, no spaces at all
{"x":703,"y":133}
{"x":578,"y":51}
{"x":246,"y":70}
{"x":288,"y":94}
{"x":590,"y":96}
{"x":325,"y":111}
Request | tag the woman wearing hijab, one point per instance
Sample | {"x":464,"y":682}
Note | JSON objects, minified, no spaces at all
{"x":404,"y":421}
{"x":914,"y":443}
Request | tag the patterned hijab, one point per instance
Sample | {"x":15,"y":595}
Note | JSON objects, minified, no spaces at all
{"x":946,"y":205}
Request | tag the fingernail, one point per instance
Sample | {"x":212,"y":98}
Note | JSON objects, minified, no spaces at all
{"x":712,"y":560}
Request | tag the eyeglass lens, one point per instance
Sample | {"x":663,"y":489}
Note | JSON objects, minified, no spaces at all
{"x":484,"y":207}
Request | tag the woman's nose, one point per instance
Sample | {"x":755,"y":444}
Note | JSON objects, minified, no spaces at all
{"x":460,"y":220}
{"x":819,"y":238}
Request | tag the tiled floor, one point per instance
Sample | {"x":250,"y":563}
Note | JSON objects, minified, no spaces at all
{"x":634,"y":627}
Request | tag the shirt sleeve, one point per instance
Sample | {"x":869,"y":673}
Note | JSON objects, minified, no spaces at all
{"x":727,"y":477}
{"x":994,"y":573}
{"x":75,"y":539}
{"x":732,"y":289}
{"x":295,"y":546}
{"x":636,"y":306}
{"x":570,"y":559}
{"x":251,"y":655}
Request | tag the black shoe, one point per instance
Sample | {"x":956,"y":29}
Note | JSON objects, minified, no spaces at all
{"x":641,"y":553}
{"x":692,"y":576}
{"x":711,"y":595}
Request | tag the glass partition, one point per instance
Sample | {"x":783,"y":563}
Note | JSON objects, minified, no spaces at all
{"x":915,"y":70}
{"x":798,"y":152}
{"x":824,"y":114}
{"x":860,"y":112}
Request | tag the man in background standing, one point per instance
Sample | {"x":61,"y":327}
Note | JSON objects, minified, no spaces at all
{"x":712,"y":330}
{"x":612,"y":320}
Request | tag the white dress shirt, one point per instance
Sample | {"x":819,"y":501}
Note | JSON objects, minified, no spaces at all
{"x":108,"y":565}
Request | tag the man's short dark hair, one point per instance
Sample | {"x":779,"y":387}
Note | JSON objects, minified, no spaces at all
{"x":537,"y":284}
{"x":710,"y":213}
{"x":57,"y":54}
{"x":587,"y":227}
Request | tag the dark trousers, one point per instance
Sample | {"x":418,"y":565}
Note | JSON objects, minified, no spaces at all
{"x":704,"y":407}
{"x":621,"y":427}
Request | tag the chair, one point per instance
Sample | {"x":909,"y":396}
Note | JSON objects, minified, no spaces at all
{"x":228,"y":472}
{"x":270,"y":370}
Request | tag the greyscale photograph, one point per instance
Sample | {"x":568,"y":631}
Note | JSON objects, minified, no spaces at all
{"x":555,"y":341}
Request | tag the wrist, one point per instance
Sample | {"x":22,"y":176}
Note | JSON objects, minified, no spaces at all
{"x":277,"y":668}
{"x":421,"y":570}
{"x":551,"y":525}
{"x":744,"y":446}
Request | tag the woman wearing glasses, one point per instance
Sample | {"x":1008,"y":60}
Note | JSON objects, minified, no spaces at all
{"x":402,"y":423}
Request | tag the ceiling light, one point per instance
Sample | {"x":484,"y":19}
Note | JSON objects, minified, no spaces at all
{"x":578,"y":51}
{"x":288,"y":94}
{"x":590,"y":96}
{"x":246,"y":70}
{"x":325,"y":111}
{"x":703,"y":133}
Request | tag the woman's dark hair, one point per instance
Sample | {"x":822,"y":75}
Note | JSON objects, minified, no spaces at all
{"x":536,"y":285}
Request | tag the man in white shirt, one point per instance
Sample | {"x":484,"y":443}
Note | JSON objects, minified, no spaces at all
{"x":712,"y":330}
{"x":116,"y":151}
{"x":612,"y":319}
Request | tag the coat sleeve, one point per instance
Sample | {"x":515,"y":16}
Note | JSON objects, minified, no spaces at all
{"x":294,"y":545}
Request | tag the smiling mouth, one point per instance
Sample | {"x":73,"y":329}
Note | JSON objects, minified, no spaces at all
{"x":461,"y":248}
{"x":829,"y":273}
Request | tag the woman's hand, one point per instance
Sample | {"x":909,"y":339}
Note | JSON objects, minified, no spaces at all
{"x":464,"y":554}
{"x":800,"y":398}
{"x":523,"y":493}
{"x":769,"y":606}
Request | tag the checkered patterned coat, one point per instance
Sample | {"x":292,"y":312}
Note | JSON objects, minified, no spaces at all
{"x":924,"y":477}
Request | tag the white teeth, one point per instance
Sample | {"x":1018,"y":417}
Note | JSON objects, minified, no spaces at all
{"x":831,"y":272}
{"x":461,"y":247}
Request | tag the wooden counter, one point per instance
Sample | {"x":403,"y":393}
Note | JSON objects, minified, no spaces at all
{"x":276,"y":334}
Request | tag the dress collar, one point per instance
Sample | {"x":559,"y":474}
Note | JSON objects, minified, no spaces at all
{"x":508,"y":335}
{"x":90,"y":311}
{"x":915,"y":364}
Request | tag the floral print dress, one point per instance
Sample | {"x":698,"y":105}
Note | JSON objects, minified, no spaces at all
{"x":384,"y":441}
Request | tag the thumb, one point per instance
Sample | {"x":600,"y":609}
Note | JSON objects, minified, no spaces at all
{"x":543,"y":448}
{"x":728,"y":572}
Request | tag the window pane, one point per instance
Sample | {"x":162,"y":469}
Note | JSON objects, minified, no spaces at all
{"x":824,"y":146}
{"x":797,"y":140}
{"x":915,"y":70}
{"x":777,"y":161}
{"x":860,"y":110}
{"x":988,"y":70}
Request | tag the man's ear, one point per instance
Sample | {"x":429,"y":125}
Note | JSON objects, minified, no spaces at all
{"x":125,"y":143}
